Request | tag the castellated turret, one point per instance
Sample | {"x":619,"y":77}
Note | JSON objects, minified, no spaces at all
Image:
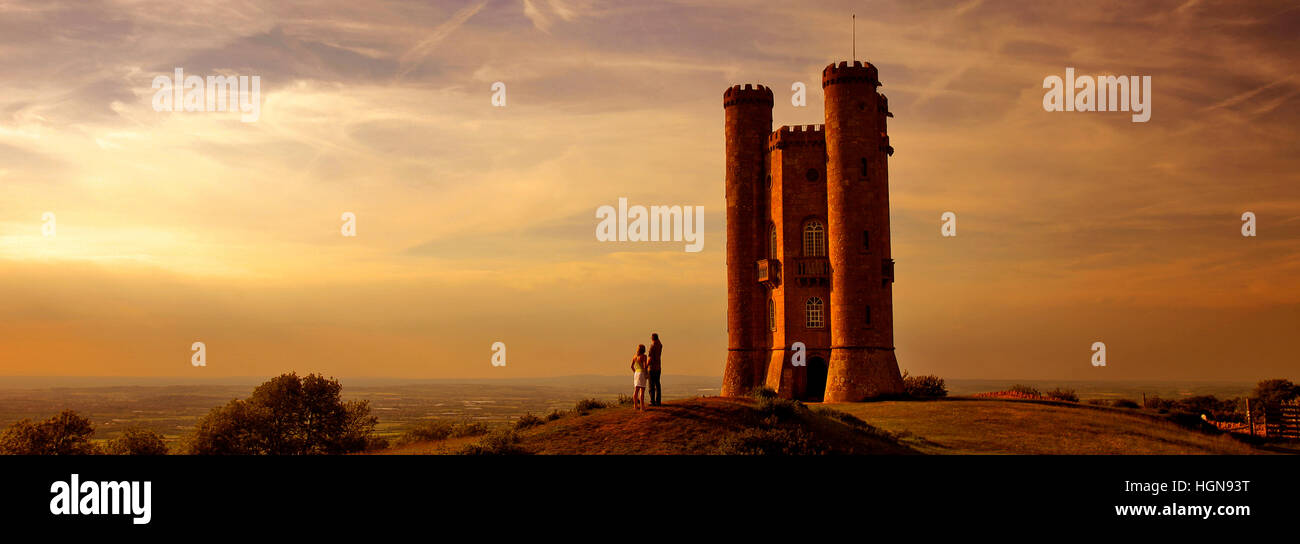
{"x":748,"y":122}
{"x":808,"y":256}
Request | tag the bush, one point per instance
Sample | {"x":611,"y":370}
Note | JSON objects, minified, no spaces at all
{"x":504,"y":443}
{"x":287,"y":415}
{"x":1125,"y":403}
{"x":927,"y":386}
{"x":763,"y":393}
{"x":468,"y":428}
{"x":1158,"y":404}
{"x":554,"y":415}
{"x":376,"y":443}
{"x":623,"y":400}
{"x":137,"y":441}
{"x":587,"y":405}
{"x":769,"y":442}
{"x":64,"y":434}
{"x":779,"y":409}
{"x":426,"y":431}
{"x":1212,"y":407}
{"x":1024,"y":390}
{"x":1066,"y":395}
{"x":528,"y":420}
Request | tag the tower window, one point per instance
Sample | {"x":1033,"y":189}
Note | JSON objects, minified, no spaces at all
{"x":812,"y":174}
{"x":816,"y":319}
{"x":814,"y":239}
{"x":864,"y":167}
{"x":868,"y":316}
{"x":771,"y":242}
{"x":771,"y":315}
{"x":866,"y":240}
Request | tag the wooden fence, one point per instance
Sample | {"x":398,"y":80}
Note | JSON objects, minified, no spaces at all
{"x":1282,"y":420}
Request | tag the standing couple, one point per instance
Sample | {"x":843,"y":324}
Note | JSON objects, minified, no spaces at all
{"x":647,"y":368}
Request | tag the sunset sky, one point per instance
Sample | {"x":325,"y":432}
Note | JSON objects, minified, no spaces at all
{"x":475,"y":224}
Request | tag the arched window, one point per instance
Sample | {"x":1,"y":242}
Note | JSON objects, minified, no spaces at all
{"x":814,"y":239}
{"x":815,"y":316}
{"x":771,"y":315}
{"x":772,"y":252}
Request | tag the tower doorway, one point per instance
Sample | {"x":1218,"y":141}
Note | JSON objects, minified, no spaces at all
{"x":816,"y":383}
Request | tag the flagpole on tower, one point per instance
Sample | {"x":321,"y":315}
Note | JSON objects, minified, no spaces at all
{"x":855,"y":37}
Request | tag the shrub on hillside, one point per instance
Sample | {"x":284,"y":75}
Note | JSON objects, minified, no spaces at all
{"x":772,"y":441}
{"x":554,"y":415}
{"x":376,"y":443}
{"x":136,"y":441}
{"x":1158,"y":404}
{"x":528,"y":420}
{"x":1066,"y":395}
{"x":64,"y":434}
{"x":623,"y":400}
{"x":1025,"y":390}
{"x":762,"y":393}
{"x":468,"y":428}
{"x":503,"y":443}
{"x":927,"y":386}
{"x":1212,"y":407}
{"x":779,"y":409}
{"x":587,"y":405}
{"x":1125,"y":403}
{"x":426,"y":431}
{"x":287,"y":415}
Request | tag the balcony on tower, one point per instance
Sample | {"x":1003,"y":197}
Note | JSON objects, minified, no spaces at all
{"x":886,"y":272}
{"x":809,"y":271}
{"x":769,"y":272}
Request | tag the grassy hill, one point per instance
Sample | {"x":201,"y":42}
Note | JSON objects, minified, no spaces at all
{"x":995,"y":426}
{"x":698,"y":426}
{"x":712,"y":425}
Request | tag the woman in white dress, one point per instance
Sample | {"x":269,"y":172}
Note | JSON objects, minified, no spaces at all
{"x":639,"y":375}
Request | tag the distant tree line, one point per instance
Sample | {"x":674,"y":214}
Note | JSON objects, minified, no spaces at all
{"x":287,"y":415}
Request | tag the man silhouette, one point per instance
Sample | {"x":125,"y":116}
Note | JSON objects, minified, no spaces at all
{"x":656,"y":389}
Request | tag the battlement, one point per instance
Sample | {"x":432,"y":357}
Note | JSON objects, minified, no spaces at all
{"x":797,"y":135}
{"x":860,"y":71}
{"x":750,"y":94}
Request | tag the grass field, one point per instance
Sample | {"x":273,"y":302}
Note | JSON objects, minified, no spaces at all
{"x":942,"y":427}
{"x":951,"y":426}
{"x":962,"y":426}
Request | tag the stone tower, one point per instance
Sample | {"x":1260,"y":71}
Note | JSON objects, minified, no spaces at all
{"x":808,"y":256}
{"x":748,"y":122}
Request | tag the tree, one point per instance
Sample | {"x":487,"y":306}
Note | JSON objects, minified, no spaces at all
{"x":924,"y":386}
{"x":287,"y":415}
{"x":64,"y":434}
{"x":1274,"y":391}
{"x":137,"y":441}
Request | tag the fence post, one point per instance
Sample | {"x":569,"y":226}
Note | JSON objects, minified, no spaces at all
{"x":1250,"y":421}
